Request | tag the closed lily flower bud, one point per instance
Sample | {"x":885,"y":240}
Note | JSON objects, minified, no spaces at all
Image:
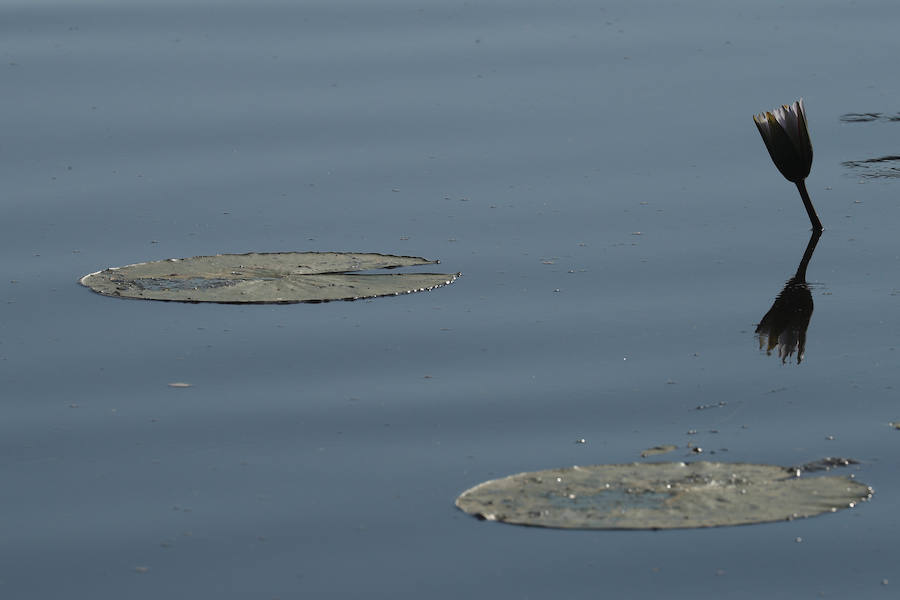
{"x":787,"y":139}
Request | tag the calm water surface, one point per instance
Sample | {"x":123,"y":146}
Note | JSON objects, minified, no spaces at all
{"x":593,"y":171}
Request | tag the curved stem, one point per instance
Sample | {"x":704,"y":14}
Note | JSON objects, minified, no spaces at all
{"x":810,"y":210}
{"x":810,"y":248}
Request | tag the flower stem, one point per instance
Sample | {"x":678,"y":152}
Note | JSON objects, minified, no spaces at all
{"x":807,"y":256}
{"x":810,"y":210}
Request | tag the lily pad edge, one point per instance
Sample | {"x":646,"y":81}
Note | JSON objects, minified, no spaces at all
{"x":451,"y":278}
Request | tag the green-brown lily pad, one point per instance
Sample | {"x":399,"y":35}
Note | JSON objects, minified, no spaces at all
{"x":659,"y":496}
{"x":266,"y":277}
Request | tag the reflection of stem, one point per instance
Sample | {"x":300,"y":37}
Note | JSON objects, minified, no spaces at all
{"x":810,"y":248}
{"x":813,"y":217}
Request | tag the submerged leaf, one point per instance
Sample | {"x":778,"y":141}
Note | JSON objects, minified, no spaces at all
{"x":659,"y":496}
{"x":275,"y":277}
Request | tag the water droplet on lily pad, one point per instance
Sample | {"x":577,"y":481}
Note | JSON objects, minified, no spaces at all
{"x":270,"y":277}
{"x":659,"y":496}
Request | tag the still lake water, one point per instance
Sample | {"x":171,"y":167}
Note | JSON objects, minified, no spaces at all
{"x":593,"y":171}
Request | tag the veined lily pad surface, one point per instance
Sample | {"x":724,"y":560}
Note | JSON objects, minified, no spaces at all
{"x":273,"y":277}
{"x":659,"y":496}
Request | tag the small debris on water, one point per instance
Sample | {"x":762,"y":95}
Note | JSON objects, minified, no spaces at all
{"x":716,"y":405}
{"x":658,"y":450}
{"x":825,"y":464}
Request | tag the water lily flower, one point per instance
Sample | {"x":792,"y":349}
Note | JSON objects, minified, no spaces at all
{"x":787,"y":139}
{"x":786,"y":136}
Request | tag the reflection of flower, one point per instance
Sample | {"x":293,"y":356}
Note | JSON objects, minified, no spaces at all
{"x":787,"y":138}
{"x":784,"y":326}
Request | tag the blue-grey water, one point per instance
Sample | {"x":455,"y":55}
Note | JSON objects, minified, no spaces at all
{"x":593,"y":171}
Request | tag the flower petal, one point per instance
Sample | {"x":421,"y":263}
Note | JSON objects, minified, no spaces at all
{"x":785,"y":134}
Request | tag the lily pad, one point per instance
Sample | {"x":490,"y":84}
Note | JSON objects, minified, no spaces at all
{"x":659,"y":496}
{"x":266,"y":277}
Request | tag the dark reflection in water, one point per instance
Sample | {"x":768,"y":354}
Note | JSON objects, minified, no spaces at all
{"x":866,"y":117}
{"x":784,"y":326}
{"x":886,"y":166}
{"x":872,"y":168}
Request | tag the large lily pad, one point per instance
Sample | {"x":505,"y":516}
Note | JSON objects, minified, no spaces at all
{"x":659,"y":496}
{"x":272,"y":277}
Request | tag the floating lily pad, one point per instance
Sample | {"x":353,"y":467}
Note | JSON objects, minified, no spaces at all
{"x":272,"y":277}
{"x":659,"y":496}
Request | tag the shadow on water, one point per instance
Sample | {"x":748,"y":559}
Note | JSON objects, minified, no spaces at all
{"x":870,"y":116}
{"x":873,"y":168}
{"x":784,"y":326}
{"x":885,"y":166}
